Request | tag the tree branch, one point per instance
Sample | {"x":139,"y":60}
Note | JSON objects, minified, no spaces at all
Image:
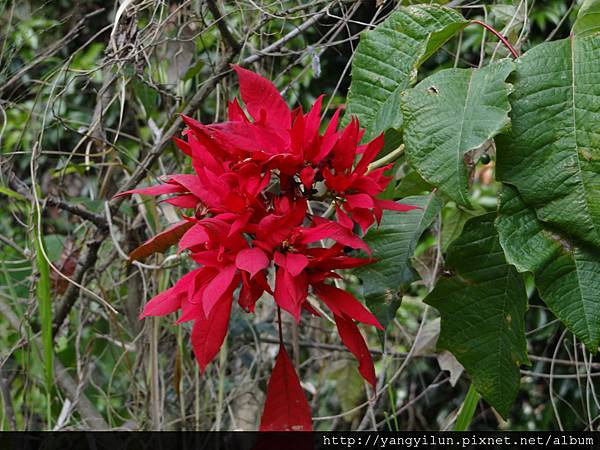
{"x":223,"y":28}
{"x":21,"y":188}
{"x":96,"y":219}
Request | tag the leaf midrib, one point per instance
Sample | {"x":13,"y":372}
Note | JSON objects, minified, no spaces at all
{"x":459,"y":158}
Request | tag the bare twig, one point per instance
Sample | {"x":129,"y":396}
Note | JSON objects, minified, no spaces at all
{"x":50,"y":51}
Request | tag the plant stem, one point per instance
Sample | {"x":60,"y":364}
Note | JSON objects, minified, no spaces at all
{"x":280,"y":326}
{"x":221,"y":385}
{"x":499,"y":35}
{"x":390,"y":157}
{"x":154,"y":382}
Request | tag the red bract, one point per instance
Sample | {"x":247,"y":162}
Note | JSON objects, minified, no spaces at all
{"x":247,"y":210}
{"x":286,"y":408}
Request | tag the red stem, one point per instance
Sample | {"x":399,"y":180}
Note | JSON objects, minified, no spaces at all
{"x":499,"y":35}
{"x":280,"y":326}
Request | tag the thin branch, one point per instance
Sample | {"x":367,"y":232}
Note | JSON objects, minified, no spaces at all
{"x":77,"y":210}
{"x":278,"y":44}
{"x":8,"y":241}
{"x":21,"y":188}
{"x":50,"y":51}
{"x":499,"y":35}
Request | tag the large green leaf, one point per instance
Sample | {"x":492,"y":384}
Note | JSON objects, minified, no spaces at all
{"x":567,"y":273}
{"x":588,"y":19}
{"x":393,"y":244}
{"x":482,"y":308}
{"x":552,"y":154}
{"x":449,"y":114}
{"x":387,"y":59}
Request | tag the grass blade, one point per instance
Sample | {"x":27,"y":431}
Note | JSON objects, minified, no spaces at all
{"x":45,"y":310}
{"x":467,"y":410}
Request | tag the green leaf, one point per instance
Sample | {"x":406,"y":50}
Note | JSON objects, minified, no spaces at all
{"x":453,"y":221}
{"x":13,"y":194}
{"x":147,"y":97}
{"x":412,"y":184}
{"x":193,"y":70}
{"x":552,"y":154}
{"x":450,"y":113}
{"x":482,"y":309}
{"x":387,"y":59}
{"x":393,"y":244}
{"x":567,"y":273}
{"x":588,"y":19}
{"x":349,"y":386}
{"x":54,"y":245}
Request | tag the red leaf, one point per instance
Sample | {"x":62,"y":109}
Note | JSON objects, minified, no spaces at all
{"x":190,"y":182}
{"x":170,"y":300}
{"x":250,"y":292}
{"x":183,"y":201}
{"x":217,"y":288}
{"x":252,"y":260}
{"x":392,"y":205}
{"x":359,"y":201}
{"x":159,"y":189}
{"x":235,"y":113}
{"x":239,"y":223}
{"x":164,"y":303}
{"x":201,"y":157}
{"x":341,"y":302}
{"x":290,"y":292}
{"x":344,"y":152}
{"x":307,"y":176}
{"x":161,"y":241}
{"x":313,"y":119}
{"x":183,"y":146}
{"x":363,"y":217}
{"x":196,"y":235}
{"x":286,"y":408}
{"x":343,"y":218}
{"x":333,"y":123}
{"x":335,"y":231}
{"x":294,"y":263}
{"x":209,"y":333}
{"x":373,"y":148}
{"x":259,"y":94}
{"x":352,"y":339}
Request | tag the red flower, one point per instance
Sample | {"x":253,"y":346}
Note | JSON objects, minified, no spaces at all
{"x":247,"y":210}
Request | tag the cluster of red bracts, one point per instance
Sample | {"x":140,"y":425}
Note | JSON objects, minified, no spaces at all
{"x":249,"y":211}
